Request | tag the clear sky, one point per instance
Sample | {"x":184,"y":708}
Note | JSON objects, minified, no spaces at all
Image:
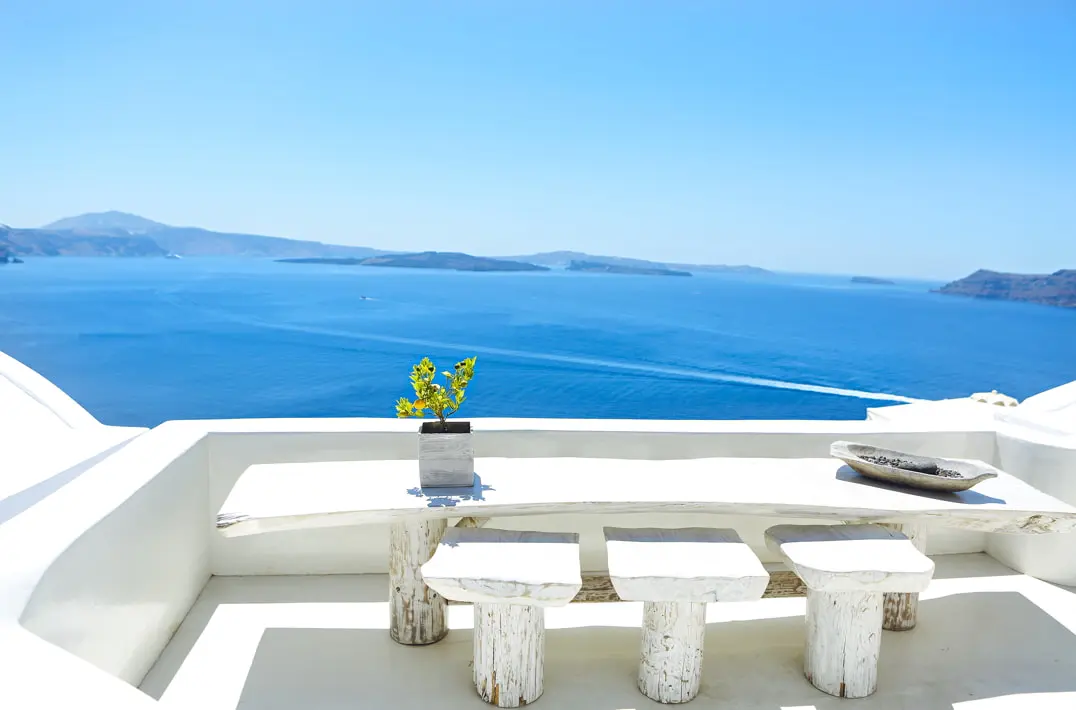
{"x":905,"y":138}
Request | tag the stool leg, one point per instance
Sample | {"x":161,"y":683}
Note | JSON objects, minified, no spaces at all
{"x":670,"y":665}
{"x":901,"y":610}
{"x":417,"y":613}
{"x":844,"y":636}
{"x":509,"y":653}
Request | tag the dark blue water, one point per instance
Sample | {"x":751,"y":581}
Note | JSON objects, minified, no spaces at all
{"x":143,"y":341}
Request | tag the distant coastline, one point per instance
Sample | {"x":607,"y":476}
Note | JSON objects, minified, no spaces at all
{"x":115,"y":234}
{"x":452,"y":261}
{"x":1056,"y":289}
{"x":564,"y":259}
{"x":598,"y":267}
{"x":872,"y":281}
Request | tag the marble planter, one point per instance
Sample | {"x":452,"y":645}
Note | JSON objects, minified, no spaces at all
{"x":445,"y":458}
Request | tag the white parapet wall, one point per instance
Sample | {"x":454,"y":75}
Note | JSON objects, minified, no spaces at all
{"x":97,"y":576}
{"x":31,"y":401}
{"x":47,"y":439}
{"x":1047,"y":461}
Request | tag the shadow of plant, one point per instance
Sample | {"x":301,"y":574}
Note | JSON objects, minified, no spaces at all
{"x":449,"y":496}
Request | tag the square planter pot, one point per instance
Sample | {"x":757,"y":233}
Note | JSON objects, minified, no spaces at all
{"x":445,"y":458}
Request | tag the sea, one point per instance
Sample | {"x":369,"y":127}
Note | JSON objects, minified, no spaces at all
{"x":141,"y":341}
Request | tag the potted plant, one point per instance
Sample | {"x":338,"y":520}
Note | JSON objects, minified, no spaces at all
{"x":445,"y":449}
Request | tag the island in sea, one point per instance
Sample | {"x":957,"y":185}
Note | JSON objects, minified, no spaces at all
{"x":872,"y":281}
{"x":598,"y":267}
{"x":453,"y":261}
{"x":1056,"y":289}
{"x":563,"y":260}
{"x":121,"y":234}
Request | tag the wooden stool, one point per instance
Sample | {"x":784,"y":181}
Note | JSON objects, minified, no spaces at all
{"x":416,"y":612}
{"x":677,"y":573}
{"x":509,"y":576}
{"x":900,"y":611}
{"x":847,"y":569}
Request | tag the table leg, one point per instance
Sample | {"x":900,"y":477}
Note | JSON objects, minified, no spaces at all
{"x":417,"y":613}
{"x":901,"y":610}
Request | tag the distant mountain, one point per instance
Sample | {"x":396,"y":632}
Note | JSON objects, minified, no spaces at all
{"x":429,"y":260}
{"x":98,"y":222}
{"x":872,"y":281}
{"x":562,"y":259}
{"x":122,"y":234}
{"x":604,"y":268}
{"x":191,"y":241}
{"x":1056,"y":289}
{"x":116,"y":233}
{"x":41,"y":242}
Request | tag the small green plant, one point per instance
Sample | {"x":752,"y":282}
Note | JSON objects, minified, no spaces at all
{"x":441,"y":401}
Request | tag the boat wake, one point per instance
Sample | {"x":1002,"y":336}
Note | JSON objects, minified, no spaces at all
{"x":598,"y":363}
{"x":687,"y":373}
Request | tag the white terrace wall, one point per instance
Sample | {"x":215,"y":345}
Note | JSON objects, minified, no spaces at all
{"x":104,"y":570}
{"x":235,"y":445}
{"x":101,"y":572}
{"x":1048,"y":462}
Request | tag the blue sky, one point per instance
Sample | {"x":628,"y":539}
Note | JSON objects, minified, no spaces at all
{"x":904,"y":138}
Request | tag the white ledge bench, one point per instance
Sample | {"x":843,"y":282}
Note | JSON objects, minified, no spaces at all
{"x":847,"y":569}
{"x":509,"y":576}
{"x":298,"y":496}
{"x":676,"y":573}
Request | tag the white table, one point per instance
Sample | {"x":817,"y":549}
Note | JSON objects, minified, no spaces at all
{"x":274,"y":497}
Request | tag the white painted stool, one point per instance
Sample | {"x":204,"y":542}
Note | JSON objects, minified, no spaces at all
{"x":676,"y":573}
{"x":510,"y":576}
{"x":847,"y":569}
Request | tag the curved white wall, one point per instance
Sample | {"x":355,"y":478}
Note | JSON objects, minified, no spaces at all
{"x":46,"y":438}
{"x":29,"y":401}
{"x":98,"y":575}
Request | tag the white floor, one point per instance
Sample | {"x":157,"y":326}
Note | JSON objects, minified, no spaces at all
{"x":988,"y":639}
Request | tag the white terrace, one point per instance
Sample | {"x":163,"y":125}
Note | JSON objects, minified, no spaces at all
{"x":118,"y":591}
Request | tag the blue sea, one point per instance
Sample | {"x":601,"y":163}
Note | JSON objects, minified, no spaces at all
{"x":141,"y":341}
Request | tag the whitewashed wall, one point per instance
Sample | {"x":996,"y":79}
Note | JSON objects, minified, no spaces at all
{"x":101,"y":573}
{"x":1047,"y":462}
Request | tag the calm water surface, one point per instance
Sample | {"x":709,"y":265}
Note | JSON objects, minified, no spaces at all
{"x":141,"y":341}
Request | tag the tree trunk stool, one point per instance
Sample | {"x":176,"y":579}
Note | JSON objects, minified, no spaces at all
{"x":676,"y":573}
{"x":509,"y":576}
{"x":416,"y":612}
{"x":847,"y":569}
{"x":900,"y":611}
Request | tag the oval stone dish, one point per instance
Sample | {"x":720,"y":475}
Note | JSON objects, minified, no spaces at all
{"x":925,"y":472}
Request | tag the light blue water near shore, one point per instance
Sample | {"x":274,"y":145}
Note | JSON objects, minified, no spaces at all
{"x":140,"y":341}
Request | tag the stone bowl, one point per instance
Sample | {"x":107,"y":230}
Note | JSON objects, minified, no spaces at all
{"x":925,"y":472}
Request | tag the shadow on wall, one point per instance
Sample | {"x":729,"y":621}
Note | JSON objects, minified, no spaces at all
{"x":18,"y":502}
